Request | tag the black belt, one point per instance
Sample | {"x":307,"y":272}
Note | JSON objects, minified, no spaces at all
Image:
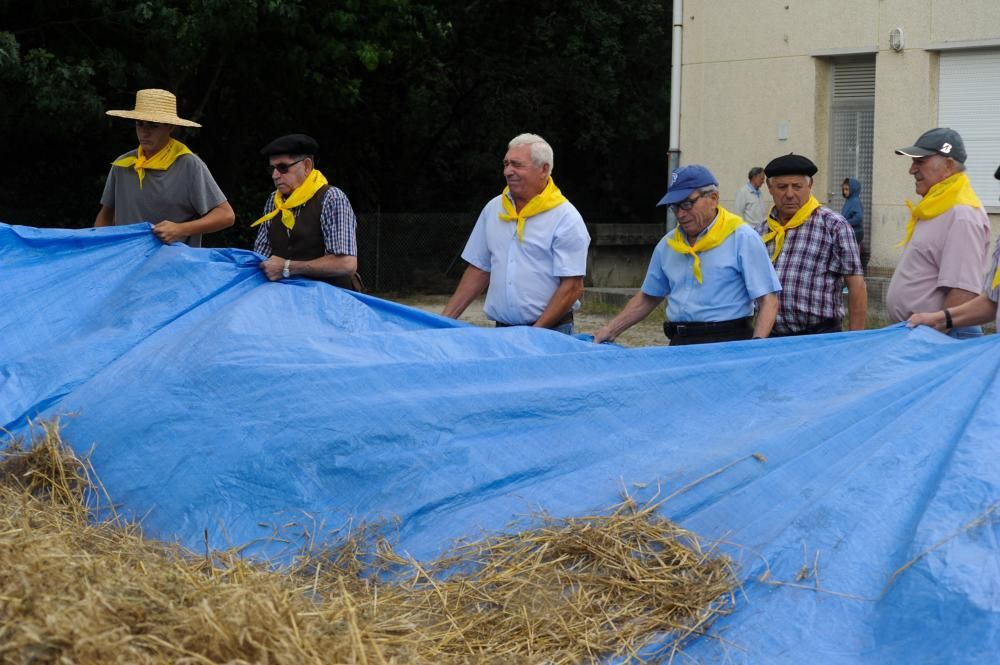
{"x":561,"y":322}
{"x":824,"y":326}
{"x":703,"y":328}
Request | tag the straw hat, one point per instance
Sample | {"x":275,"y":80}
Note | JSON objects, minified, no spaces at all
{"x":154,"y":105}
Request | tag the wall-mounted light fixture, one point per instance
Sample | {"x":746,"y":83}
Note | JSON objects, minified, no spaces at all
{"x":896,"y":40}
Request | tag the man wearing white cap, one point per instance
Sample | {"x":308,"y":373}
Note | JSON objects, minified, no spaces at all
{"x":947,"y":236}
{"x":162,"y":182}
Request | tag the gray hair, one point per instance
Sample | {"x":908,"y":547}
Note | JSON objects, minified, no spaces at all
{"x":541,"y":151}
{"x":709,"y":189}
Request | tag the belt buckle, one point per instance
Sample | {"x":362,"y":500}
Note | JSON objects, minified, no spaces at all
{"x":681,"y":329}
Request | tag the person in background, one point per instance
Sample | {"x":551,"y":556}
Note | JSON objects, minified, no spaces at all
{"x":308,"y":227}
{"x":712,"y":269}
{"x":749,"y":203}
{"x":947,"y":236}
{"x":162,"y":182}
{"x":854,"y":213}
{"x":528,"y":249}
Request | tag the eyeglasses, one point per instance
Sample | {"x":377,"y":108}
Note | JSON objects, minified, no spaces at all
{"x":282,"y":168}
{"x":686,"y":204}
{"x":142,"y":124}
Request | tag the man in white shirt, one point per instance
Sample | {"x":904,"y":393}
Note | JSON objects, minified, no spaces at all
{"x":749,"y":201}
{"x":528,"y":250}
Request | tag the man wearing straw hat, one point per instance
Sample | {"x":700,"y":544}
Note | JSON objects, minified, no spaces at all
{"x":162,"y":182}
{"x":308,"y":227}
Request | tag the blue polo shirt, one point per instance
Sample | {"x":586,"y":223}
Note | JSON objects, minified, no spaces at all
{"x":734,"y":275}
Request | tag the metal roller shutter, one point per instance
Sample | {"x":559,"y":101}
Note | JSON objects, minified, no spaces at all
{"x":969,"y":102}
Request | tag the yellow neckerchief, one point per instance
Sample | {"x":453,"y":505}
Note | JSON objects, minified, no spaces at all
{"x":777,"y":232}
{"x":939,"y":199}
{"x":547,"y":200}
{"x":161,"y":161}
{"x":725,"y":225}
{"x":312,"y":184}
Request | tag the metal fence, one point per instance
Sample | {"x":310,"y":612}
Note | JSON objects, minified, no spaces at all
{"x":408,"y":252}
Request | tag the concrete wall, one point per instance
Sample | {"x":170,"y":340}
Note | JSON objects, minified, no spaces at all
{"x":751,"y":69}
{"x":619,"y":253}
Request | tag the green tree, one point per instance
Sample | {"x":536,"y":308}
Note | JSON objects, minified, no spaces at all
{"x":412,"y":101}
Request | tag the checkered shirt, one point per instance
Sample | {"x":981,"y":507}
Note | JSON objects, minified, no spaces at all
{"x":336,"y":218}
{"x":812,"y":265}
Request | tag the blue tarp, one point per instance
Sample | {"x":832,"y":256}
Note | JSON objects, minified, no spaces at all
{"x":216,"y":400}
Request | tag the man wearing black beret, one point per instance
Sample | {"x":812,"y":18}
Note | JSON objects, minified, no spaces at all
{"x":308,"y":226}
{"x":814,"y":252}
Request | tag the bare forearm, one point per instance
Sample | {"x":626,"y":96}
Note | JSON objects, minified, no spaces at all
{"x":105,"y":217}
{"x":474,"y":281}
{"x":767,"y":312}
{"x":956,"y":297}
{"x":331,"y":265}
{"x":637,"y":309}
{"x":857,"y":302}
{"x":216,"y":219}
{"x":975,"y":312}
{"x":569,"y":291}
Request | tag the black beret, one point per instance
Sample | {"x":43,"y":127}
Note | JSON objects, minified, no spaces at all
{"x":790,"y":164}
{"x":291,"y":144}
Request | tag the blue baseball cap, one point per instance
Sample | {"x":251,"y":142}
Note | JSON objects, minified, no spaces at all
{"x":684,"y":181}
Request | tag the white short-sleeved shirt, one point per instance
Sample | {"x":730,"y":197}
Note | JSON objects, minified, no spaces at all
{"x":525,"y":274}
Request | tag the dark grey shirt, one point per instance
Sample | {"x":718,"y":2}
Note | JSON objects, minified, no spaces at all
{"x":183,"y":192}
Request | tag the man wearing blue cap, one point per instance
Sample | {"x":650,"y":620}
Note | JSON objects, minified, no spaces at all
{"x":711,"y":269}
{"x":814,"y":252}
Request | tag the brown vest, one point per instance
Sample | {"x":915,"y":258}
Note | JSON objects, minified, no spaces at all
{"x":305,"y":241}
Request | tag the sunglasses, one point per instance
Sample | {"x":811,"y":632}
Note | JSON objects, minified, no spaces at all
{"x":282,"y":168}
{"x":142,"y":124}
{"x":686,"y":204}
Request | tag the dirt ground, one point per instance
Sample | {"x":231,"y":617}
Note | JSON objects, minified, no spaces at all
{"x":588,"y":319}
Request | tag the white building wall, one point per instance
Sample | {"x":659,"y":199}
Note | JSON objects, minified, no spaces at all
{"x":753,"y":70}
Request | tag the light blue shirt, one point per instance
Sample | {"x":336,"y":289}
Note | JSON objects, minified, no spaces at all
{"x":525,"y":274}
{"x":749,"y":205}
{"x":734,"y":274}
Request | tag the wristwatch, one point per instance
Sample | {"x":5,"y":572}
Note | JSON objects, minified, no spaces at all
{"x":285,"y":274}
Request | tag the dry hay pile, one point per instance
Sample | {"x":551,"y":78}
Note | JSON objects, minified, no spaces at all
{"x":73,"y":590}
